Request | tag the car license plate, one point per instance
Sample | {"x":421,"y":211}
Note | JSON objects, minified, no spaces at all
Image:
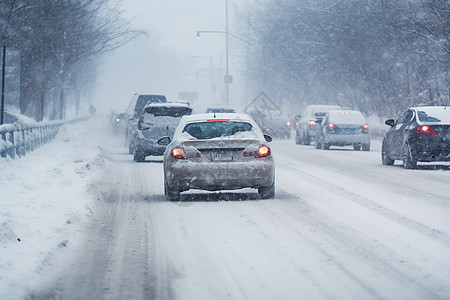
{"x":221,"y":156}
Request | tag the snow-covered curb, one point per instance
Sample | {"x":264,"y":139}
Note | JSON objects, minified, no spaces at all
{"x":44,"y":204}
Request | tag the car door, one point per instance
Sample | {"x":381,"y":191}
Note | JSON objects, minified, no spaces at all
{"x":396,"y":134}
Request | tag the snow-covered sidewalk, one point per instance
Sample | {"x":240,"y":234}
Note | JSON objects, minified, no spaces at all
{"x":44,"y":203}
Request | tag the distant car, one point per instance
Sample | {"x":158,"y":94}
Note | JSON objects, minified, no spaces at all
{"x":219,"y":109}
{"x":218,"y":152}
{"x":420,"y":134}
{"x":118,"y":121}
{"x":306,"y":123}
{"x":157,"y":120}
{"x":276,"y":127}
{"x":343,"y":128}
{"x":134,"y":110}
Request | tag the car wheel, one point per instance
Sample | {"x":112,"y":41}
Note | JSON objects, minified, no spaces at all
{"x":366,"y":147}
{"x":385,"y":159}
{"x":325,"y":146}
{"x":408,"y":161}
{"x":317,"y":143}
{"x":306,"y":140}
{"x":298,"y":140}
{"x":172,"y":194}
{"x":139,"y":156}
{"x":130,"y":148}
{"x":267,"y":192}
{"x":356,"y":147}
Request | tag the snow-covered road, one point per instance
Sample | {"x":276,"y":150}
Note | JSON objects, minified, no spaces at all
{"x":341,"y":226}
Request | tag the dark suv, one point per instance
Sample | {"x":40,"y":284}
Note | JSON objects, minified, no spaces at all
{"x":134,"y":110}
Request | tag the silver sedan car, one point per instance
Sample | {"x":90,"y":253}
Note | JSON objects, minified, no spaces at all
{"x":218,"y":152}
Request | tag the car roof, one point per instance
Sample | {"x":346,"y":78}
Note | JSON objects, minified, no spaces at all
{"x":168,"y":104}
{"x":225,"y":116}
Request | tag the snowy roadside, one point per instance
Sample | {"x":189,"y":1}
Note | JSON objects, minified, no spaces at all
{"x":44,"y":204}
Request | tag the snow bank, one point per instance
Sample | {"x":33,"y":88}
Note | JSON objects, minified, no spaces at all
{"x":44,"y":204}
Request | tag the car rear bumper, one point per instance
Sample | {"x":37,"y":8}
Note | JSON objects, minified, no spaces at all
{"x":220,"y":176}
{"x":347,"y":139}
{"x":429,"y":150}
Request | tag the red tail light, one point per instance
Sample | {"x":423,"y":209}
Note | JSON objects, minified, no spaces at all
{"x":331,"y":126}
{"x":288,"y":124}
{"x":311,"y":122}
{"x":365,"y":128}
{"x":425,"y":130}
{"x":139,"y":126}
{"x":178,"y":153}
{"x":263,"y":151}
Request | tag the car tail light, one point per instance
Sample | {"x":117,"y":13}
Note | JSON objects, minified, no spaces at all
{"x":311,"y":122}
{"x":263,"y":151}
{"x":331,"y":126}
{"x":425,"y":130}
{"x":288,"y":124}
{"x":178,"y":153}
{"x":139,"y":126}
{"x":365,"y":128}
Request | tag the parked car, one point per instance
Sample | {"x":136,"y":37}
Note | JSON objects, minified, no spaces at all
{"x":306,"y":123}
{"x":157,"y":120}
{"x":420,"y":134}
{"x":134,"y":110}
{"x":218,"y":152}
{"x":343,"y":128}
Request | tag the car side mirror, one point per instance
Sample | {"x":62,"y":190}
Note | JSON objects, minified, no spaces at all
{"x":267,"y":137}
{"x":390,"y":122}
{"x":297,"y":118}
{"x":164,"y":141}
{"x":131,"y":121}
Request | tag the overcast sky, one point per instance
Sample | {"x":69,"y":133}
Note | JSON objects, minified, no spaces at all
{"x":161,"y":62}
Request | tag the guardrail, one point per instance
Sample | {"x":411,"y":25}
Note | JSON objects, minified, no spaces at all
{"x":18,"y":140}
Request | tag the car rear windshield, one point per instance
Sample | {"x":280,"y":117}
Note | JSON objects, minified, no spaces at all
{"x":437,"y":115}
{"x":214,"y":129}
{"x":167,"y":111}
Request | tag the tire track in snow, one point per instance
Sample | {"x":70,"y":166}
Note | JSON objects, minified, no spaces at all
{"x":373,"y":206}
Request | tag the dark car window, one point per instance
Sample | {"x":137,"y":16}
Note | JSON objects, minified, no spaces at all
{"x":405,"y":117}
{"x":143,"y":100}
{"x":159,"y":111}
{"x":209,"y":130}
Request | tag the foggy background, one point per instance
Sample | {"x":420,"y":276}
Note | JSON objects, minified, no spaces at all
{"x":169,"y":59}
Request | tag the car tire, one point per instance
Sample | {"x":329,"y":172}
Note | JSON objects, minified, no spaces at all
{"x":408,"y":161}
{"x":385,"y":159}
{"x":366,"y":147}
{"x":267,"y":192}
{"x":130,"y":148}
{"x":305,"y":139}
{"x":172,"y":194}
{"x":139,"y":156}
{"x":298,"y":140}
{"x":325,"y":146}
{"x":356,"y":147}
{"x":317,"y":143}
